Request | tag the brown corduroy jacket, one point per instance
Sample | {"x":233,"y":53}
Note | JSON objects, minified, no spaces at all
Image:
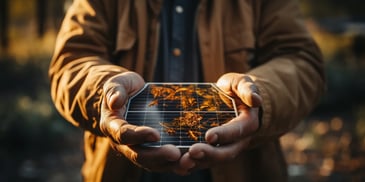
{"x":264,"y":38}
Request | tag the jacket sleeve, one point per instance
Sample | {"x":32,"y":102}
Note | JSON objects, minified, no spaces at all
{"x":81,"y":63}
{"x":290,"y":73}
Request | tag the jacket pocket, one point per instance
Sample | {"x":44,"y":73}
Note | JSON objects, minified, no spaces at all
{"x":239,"y":48}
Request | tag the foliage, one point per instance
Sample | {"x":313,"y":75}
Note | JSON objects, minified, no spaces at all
{"x":38,"y":145}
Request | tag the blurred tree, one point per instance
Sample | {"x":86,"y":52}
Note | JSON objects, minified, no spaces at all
{"x":4,"y":23}
{"x":57,"y":12}
{"x":334,"y":8}
{"x":41,"y":16}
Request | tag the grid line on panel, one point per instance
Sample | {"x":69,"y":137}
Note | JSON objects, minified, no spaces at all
{"x":198,"y":110}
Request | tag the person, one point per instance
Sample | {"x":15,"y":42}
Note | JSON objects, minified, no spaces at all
{"x":258,"y":52}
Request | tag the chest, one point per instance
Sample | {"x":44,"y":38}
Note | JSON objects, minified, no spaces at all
{"x":226,"y":36}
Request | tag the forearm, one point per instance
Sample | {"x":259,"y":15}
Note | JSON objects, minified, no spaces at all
{"x":77,"y":89}
{"x":289,"y":71}
{"x":290,"y":88}
{"x":81,"y":64}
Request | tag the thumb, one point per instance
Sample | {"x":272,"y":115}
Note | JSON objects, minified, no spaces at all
{"x":248,"y":92}
{"x":240,"y":86}
{"x":120,"y":87}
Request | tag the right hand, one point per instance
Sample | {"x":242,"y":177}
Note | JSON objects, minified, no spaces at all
{"x":126,"y":138}
{"x":235,"y":136}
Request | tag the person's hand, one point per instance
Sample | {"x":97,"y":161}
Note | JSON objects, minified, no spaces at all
{"x":226,"y":142}
{"x":126,"y":138}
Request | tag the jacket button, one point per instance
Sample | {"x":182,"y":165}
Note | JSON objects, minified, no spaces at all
{"x":176,"y":52}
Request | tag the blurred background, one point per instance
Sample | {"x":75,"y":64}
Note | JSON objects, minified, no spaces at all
{"x":38,"y":145}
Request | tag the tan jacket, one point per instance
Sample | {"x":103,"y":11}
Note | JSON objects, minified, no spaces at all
{"x":265,"y":38}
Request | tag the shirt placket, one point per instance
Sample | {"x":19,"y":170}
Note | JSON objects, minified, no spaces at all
{"x":177,"y":52}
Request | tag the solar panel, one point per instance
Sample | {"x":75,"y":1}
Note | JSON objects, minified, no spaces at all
{"x":181,"y":112}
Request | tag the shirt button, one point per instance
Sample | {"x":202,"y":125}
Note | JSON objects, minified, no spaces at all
{"x":179,"y":9}
{"x":176,"y":52}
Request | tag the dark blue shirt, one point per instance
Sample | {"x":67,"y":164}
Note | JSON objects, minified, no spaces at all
{"x":178,"y":56}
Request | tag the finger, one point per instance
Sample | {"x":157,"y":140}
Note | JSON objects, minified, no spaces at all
{"x":206,"y":156}
{"x":248,"y":92}
{"x":241,"y":86}
{"x":225,"y":83}
{"x":165,"y":153}
{"x":159,"y":159}
{"x":186,"y":165}
{"x":131,"y":134}
{"x":117,"y":90}
{"x":244,"y":125}
{"x":123,"y":133}
{"x":116,"y":96}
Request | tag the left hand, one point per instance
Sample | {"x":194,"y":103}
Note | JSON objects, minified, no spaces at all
{"x":125,"y":137}
{"x":226,"y":142}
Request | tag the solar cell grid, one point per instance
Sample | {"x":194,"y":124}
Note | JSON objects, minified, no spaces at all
{"x":181,"y":112}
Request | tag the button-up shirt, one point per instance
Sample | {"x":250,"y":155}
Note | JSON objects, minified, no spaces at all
{"x":178,"y":61}
{"x":178,"y":58}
